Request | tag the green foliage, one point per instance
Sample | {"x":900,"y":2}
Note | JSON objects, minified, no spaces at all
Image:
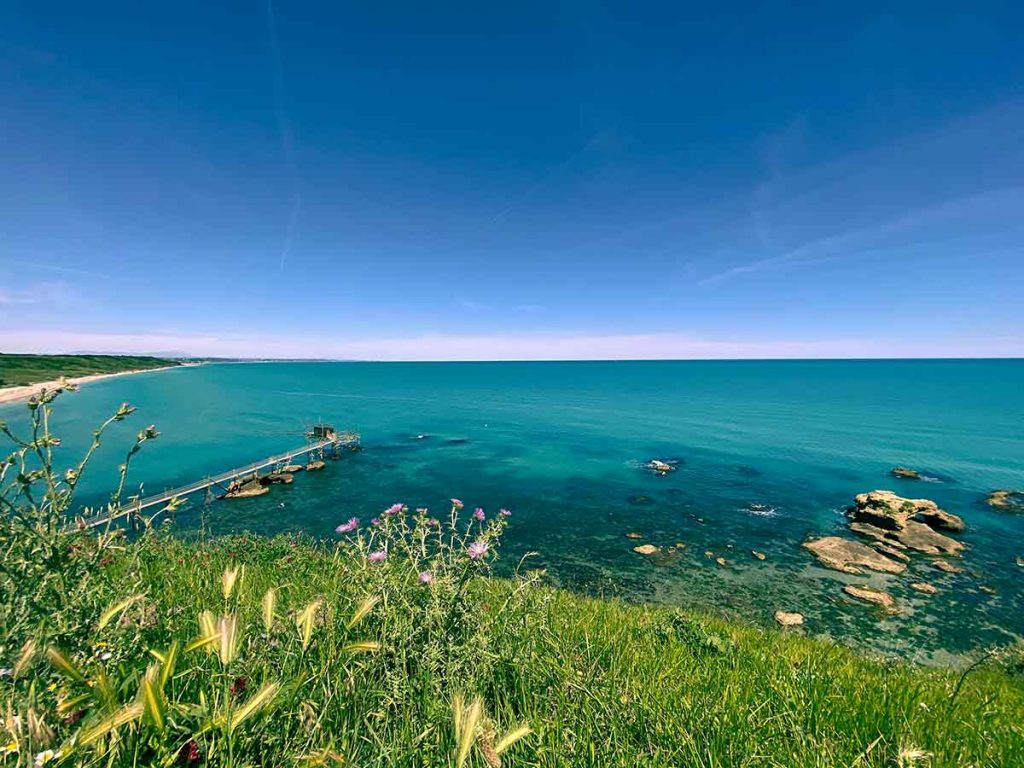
{"x":22,"y":370}
{"x":390,"y":646}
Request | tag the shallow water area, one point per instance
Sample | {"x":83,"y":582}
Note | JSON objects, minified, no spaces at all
{"x":769,"y":454}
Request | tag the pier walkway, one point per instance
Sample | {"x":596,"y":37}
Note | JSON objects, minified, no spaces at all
{"x":134,"y":508}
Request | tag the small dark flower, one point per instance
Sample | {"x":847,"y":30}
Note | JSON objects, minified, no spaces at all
{"x":74,"y":717}
{"x":238,"y":687}
{"x":189,"y":753}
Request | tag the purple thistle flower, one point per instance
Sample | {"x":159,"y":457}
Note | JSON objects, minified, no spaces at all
{"x":477,"y":549}
{"x":478,"y":513}
{"x":504,"y":513}
{"x":457,"y":503}
{"x":375,"y":521}
{"x":426,"y":577}
{"x":379,"y":556}
{"x":351,"y":525}
{"x":434,"y":522}
{"x":394,"y":509}
{"x":421,"y":510}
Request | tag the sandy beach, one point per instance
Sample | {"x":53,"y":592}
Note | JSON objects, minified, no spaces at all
{"x":13,"y":394}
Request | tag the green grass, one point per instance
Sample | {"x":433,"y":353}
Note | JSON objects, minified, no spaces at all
{"x":22,"y":370}
{"x":249,"y":651}
{"x":605,"y":683}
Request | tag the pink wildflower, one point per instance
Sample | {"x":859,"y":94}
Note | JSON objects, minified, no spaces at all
{"x":394,"y":509}
{"x":504,"y":513}
{"x":478,"y":513}
{"x":457,"y":503}
{"x":426,"y":577}
{"x":477,"y":549}
{"x":351,"y":525}
{"x":379,"y":556}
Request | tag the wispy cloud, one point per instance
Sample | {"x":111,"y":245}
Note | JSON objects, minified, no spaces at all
{"x":55,"y":295}
{"x":57,"y":268}
{"x":969,"y":171}
{"x":599,"y":139}
{"x":285,"y":134}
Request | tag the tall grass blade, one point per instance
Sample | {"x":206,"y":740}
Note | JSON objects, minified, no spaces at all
{"x":207,"y":625}
{"x":230,"y":633}
{"x":304,"y":622}
{"x":123,"y":716}
{"x":229,"y":579}
{"x":262,"y":698}
{"x":64,"y":664}
{"x":467,"y":730}
{"x":512,"y":737}
{"x":116,"y":610}
{"x":28,"y":653}
{"x":269,"y":607}
{"x":361,"y":646}
{"x":362,"y":611}
{"x":153,"y":701}
{"x":169,"y":662}
{"x":203,"y":642}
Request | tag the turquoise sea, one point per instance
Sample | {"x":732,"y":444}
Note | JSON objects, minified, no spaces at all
{"x":563,"y":446}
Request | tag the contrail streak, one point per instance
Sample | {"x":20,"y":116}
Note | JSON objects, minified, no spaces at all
{"x":287,"y":136}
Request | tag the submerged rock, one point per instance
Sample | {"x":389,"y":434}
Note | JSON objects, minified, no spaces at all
{"x":851,"y":556}
{"x":640,"y":501}
{"x":876,"y":596}
{"x":646,"y":549}
{"x":246,"y":489}
{"x":787,"y":619}
{"x":945,"y":565}
{"x":277,"y":478}
{"x":721,"y":561}
{"x":905,"y":473}
{"x":759,"y":555}
{"x":1020,"y":561}
{"x":634,"y":535}
{"x":662,"y":467}
{"x":925,"y":587}
{"x":313,"y":466}
{"x":1006,"y":501}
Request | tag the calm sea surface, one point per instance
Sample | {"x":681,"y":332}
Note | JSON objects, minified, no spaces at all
{"x":563,"y":446}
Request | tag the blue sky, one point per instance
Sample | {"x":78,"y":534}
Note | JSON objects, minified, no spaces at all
{"x":519,"y":180}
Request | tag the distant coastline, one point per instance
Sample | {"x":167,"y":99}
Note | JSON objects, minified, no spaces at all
{"x":14,"y":394}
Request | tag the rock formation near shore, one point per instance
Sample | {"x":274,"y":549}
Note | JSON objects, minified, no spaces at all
{"x":896,"y":527}
{"x":1006,"y":501}
{"x":905,"y":473}
{"x":851,"y":556}
{"x":787,"y":619}
{"x":887,"y":510}
{"x":883,"y":599}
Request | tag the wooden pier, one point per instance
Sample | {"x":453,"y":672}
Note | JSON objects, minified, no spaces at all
{"x":322,"y":440}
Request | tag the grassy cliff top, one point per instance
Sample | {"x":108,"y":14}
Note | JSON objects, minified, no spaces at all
{"x":22,"y":370}
{"x":599,"y":682}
